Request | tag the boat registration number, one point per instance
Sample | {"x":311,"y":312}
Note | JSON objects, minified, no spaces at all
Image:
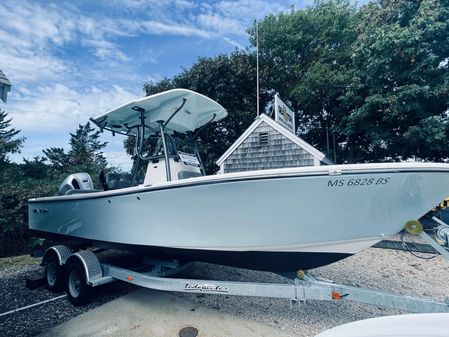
{"x":358,"y":182}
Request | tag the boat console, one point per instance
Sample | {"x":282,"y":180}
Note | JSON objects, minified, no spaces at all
{"x":165,"y":117}
{"x":174,"y":119}
{"x":182,"y":166}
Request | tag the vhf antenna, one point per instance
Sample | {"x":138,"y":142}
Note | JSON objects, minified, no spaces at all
{"x":257,"y":65}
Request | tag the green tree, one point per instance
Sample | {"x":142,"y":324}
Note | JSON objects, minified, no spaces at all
{"x":306,"y":55}
{"x":85,"y":148}
{"x":85,"y":153}
{"x":9,"y":142}
{"x":36,"y":168}
{"x":36,"y":178}
{"x":397,"y":101}
{"x":11,"y":208}
{"x":21,"y":182}
{"x":374,"y":77}
{"x":59,"y":160}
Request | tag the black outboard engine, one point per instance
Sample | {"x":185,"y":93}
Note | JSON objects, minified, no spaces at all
{"x":76,"y":182}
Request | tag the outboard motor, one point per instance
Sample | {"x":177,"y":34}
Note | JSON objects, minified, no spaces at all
{"x":76,"y":182}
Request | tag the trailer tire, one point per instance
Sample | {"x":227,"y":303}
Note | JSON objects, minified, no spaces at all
{"x":78,"y":291}
{"x":54,"y":274}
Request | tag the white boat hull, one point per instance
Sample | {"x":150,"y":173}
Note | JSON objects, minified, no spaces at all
{"x":311,"y":216}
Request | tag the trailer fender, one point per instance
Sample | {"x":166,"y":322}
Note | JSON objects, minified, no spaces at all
{"x":62,"y":253}
{"x":90,"y":263}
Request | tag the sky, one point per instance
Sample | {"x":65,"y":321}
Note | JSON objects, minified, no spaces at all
{"x":72,"y":60}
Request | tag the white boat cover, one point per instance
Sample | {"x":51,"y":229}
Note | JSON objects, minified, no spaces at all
{"x":410,"y":325}
{"x":195,"y":111}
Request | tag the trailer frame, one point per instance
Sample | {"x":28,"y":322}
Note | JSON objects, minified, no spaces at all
{"x":154,"y":276}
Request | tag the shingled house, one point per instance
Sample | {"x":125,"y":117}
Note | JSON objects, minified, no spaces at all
{"x":267,"y":145}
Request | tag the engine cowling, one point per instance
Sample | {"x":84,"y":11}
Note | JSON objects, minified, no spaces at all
{"x":77,"y":181}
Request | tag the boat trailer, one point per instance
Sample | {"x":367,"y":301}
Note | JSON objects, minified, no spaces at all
{"x":80,"y":272}
{"x":306,"y":287}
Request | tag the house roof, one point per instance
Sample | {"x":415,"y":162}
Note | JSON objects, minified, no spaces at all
{"x":287,"y":133}
{"x":3,"y":78}
{"x":5,"y":86}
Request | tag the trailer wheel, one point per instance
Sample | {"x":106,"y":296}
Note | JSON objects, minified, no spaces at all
{"x":54,"y":274}
{"x":78,"y":291}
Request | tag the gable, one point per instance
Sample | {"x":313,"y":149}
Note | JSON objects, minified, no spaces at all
{"x":277,"y":151}
{"x":287,"y":136}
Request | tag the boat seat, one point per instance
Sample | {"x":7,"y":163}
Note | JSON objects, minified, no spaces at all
{"x":118,"y":180}
{"x":116,"y":184}
{"x":188,"y":174}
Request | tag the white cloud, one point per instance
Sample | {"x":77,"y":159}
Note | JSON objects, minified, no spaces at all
{"x":36,"y":24}
{"x":247,"y":10}
{"x":68,"y":64}
{"x":106,"y":50}
{"x":183,"y":4}
{"x":34,"y":36}
{"x":221,"y":24}
{"x":118,"y":159}
{"x":233,"y":43}
{"x":26,"y":31}
{"x":30,"y":66}
{"x":194,"y":18}
{"x":152,"y":5}
{"x":59,"y":107}
{"x":159,"y":28}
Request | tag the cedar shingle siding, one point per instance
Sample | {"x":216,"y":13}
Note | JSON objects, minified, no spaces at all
{"x":252,"y":154}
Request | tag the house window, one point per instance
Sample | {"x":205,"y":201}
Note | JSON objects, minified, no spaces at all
{"x":263,"y":138}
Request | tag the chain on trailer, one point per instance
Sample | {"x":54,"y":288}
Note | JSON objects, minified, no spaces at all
{"x":439,"y":242}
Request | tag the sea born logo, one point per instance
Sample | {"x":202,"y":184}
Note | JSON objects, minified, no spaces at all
{"x":40,"y":210}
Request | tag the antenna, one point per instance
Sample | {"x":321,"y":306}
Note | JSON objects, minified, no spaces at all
{"x":257,"y":65}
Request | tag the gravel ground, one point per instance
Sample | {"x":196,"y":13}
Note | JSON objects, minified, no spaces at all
{"x":386,"y":270}
{"x":30,"y":322}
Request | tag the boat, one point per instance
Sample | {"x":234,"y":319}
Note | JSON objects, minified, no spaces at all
{"x":280,"y":220}
{"x":410,"y":325}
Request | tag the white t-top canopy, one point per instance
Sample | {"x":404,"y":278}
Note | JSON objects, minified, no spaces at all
{"x":180,"y":110}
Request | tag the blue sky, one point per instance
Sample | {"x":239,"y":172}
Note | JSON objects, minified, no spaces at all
{"x":71,"y":60}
